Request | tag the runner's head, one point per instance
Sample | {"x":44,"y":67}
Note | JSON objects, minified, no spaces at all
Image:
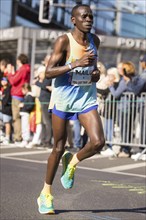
{"x":82,"y":18}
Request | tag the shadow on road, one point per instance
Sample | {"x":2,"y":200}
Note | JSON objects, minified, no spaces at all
{"x":135,"y":210}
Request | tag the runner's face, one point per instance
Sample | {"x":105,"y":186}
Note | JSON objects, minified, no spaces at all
{"x":83,"y":19}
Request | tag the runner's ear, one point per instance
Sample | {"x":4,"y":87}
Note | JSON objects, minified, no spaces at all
{"x":73,"y":20}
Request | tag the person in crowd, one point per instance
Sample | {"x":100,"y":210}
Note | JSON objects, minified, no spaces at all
{"x":120,"y":69}
{"x":36,"y":125}
{"x":102,"y":94}
{"x":44,"y":98}
{"x":109,"y":110}
{"x":1,"y":118}
{"x":77,"y":134}
{"x":130,"y":82}
{"x":143,"y":121}
{"x":143,"y":66}
{"x":45,"y":60}
{"x":101,"y":85}
{"x":17,"y":79}
{"x":3,"y":67}
{"x":69,"y":141}
{"x":36,"y":114}
{"x":73,"y":66}
{"x":6,"y":109}
{"x":80,"y":136}
{"x":25,"y":108}
{"x":103,"y":73}
{"x":141,"y":155}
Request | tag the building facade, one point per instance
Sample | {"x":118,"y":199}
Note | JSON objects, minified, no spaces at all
{"x":109,"y":16}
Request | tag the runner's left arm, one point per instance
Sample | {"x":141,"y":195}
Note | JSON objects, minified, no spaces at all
{"x":96,"y":73}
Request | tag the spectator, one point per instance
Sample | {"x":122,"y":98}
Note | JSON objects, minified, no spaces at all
{"x":142,"y":114}
{"x":130,"y":82}
{"x":46,"y":59}
{"x":36,"y":115}
{"x":37,"y":130}
{"x":25,"y":108}
{"x":17,"y":79}
{"x":69,"y":142}
{"x":3,"y":69}
{"x":6,"y":109}
{"x":101,"y":85}
{"x":103,"y":72}
{"x":44,"y":98}
{"x":143,"y":66}
{"x":80,"y":138}
{"x":77,"y":134}
{"x":109,"y":109}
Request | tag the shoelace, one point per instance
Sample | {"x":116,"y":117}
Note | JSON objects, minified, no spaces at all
{"x":71,"y":172}
{"x":48,"y":200}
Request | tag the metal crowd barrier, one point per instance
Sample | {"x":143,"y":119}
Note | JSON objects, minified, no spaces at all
{"x":124,"y":119}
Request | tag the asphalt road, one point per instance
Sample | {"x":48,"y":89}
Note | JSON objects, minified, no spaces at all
{"x":104,"y":189}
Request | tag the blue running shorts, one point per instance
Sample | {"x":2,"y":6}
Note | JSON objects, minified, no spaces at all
{"x":71,"y":115}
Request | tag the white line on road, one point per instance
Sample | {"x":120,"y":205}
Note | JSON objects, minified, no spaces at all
{"x":25,"y":160}
{"x":125,"y":167}
{"x":79,"y":167}
{"x":115,"y":172}
{"x":8,"y":146}
{"x":39,"y":151}
{"x":25,"y":153}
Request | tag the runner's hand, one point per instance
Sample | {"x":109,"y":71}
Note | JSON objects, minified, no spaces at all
{"x":87,"y":60}
{"x":95,"y":75}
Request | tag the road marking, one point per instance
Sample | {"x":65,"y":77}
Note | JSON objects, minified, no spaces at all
{"x":25,"y":153}
{"x":104,"y":170}
{"x":8,"y":146}
{"x":79,"y":167}
{"x":37,"y":150}
{"x":125,"y":167}
{"x":130,"y":187}
{"x":25,"y":160}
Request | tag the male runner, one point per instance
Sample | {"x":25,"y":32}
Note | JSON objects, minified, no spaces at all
{"x":73,"y":65}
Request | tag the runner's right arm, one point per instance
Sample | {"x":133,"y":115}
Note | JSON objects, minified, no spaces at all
{"x":56,"y":65}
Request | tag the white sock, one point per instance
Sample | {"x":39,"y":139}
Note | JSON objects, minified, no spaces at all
{"x":74,"y":161}
{"x":46,"y":189}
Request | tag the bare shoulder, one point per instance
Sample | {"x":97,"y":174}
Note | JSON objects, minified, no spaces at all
{"x":62,"y":42}
{"x":59,"y":50}
{"x":96,"y":40}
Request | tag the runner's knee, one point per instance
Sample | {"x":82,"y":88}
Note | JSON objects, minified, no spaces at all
{"x":98,"y":144}
{"x":59,"y":149}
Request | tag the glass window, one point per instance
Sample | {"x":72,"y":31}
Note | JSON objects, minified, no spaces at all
{"x":5,"y":14}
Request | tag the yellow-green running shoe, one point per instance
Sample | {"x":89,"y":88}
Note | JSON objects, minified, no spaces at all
{"x":67,"y":178}
{"x":45,"y":204}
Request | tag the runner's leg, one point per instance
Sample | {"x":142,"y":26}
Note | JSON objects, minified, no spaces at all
{"x":92,"y":123}
{"x":60,"y":135}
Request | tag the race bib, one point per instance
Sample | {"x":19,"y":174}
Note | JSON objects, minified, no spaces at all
{"x":81,"y":76}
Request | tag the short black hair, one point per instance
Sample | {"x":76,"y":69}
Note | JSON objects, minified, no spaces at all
{"x":76,"y":7}
{"x":23,"y":58}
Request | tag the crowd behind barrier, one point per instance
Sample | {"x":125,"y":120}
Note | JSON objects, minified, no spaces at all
{"x":123,"y":115}
{"x":131,"y":119}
